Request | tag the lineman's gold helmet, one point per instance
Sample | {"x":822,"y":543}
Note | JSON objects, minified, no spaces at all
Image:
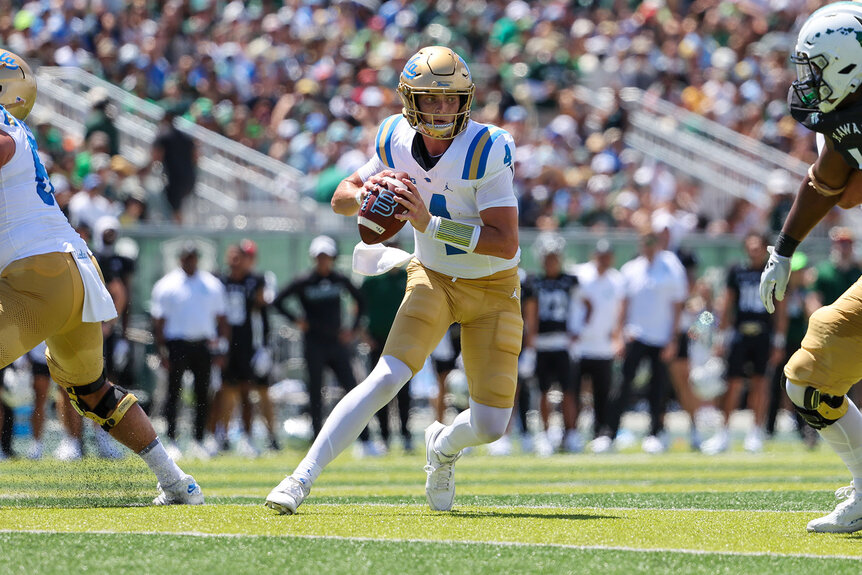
{"x":436,"y":70}
{"x":17,"y":85}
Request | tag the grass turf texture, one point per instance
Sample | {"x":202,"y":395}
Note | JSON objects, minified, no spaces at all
{"x":678,"y":512}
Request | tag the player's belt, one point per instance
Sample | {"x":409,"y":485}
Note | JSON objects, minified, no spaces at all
{"x":751,"y":328}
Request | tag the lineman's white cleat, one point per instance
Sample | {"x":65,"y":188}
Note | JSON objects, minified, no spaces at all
{"x":287,"y":496}
{"x":440,"y":483}
{"x":847,"y":516}
{"x":186,"y":491}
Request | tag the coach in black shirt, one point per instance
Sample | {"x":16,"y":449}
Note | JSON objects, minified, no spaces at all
{"x":326,"y":341}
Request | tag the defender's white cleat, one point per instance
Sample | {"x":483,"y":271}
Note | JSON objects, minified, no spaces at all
{"x":440,"y":483}
{"x":287,"y":496}
{"x":186,"y":491}
{"x":847,"y":517}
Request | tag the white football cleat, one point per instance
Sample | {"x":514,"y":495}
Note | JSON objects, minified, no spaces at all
{"x":653,"y":444}
{"x":440,"y":483}
{"x":186,"y":491}
{"x":718,"y":443}
{"x":847,"y":517}
{"x":287,"y":496}
{"x":68,"y":450}
{"x":601,"y":444}
{"x":753,"y":442}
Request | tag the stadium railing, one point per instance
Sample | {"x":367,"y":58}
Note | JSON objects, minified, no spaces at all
{"x":237,"y":186}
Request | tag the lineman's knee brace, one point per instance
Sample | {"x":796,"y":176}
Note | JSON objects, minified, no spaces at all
{"x":818,"y":409}
{"x":111,"y":408}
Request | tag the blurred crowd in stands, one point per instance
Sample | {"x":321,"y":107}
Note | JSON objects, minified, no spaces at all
{"x":307,"y":82}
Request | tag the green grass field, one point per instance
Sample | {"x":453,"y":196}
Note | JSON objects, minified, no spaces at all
{"x":676,"y":513}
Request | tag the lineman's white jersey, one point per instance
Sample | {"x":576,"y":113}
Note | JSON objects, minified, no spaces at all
{"x":31,"y":222}
{"x":474,"y":174}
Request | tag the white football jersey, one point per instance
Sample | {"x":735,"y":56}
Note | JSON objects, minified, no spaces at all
{"x":31,"y":222}
{"x":474,"y":174}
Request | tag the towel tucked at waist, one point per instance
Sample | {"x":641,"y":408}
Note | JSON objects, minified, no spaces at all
{"x":98,"y":305}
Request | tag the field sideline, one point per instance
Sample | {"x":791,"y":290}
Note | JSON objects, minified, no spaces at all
{"x":674,"y":513}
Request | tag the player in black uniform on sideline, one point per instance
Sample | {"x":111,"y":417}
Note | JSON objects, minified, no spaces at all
{"x":548,"y":334}
{"x":751,"y":341}
{"x":246,"y":314}
{"x":326,"y":341}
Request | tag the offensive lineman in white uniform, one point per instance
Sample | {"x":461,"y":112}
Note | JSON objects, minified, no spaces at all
{"x":51,"y":289}
{"x":462,"y":206}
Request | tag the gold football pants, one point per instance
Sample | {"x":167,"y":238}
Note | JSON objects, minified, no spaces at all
{"x":830,"y":358}
{"x":41,"y":299}
{"x":489,"y":311}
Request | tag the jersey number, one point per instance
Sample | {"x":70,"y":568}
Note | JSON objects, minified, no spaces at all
{"x":438,"y":208}
{"x":44,"y":187}
{"x":553,"y":305}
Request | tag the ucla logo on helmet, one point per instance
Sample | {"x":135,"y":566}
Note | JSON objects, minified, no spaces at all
{"x":9,"y":60}
{"x":385,"y":204}
{"x":410,"y":69}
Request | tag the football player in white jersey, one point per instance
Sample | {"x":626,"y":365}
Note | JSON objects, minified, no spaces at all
{"x":51,"y":289}
{"x":461,"y":203}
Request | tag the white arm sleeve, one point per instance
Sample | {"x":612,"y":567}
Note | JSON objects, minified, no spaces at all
{"x":371,"y":167}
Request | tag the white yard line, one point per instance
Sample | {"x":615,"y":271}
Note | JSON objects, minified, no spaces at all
{"x":448,"y":541}
{"x":509,"y":507}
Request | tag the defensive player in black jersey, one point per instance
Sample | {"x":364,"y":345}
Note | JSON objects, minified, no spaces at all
{"x":826,"y":98}
{"x":326,"y":340}
{"x":749,"y":341}
{"x":548,"y":334}
{"x":249,"y":323}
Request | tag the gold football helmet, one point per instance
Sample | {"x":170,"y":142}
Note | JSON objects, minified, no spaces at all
{"x":17,"y":85}
{"x":436,"y":70}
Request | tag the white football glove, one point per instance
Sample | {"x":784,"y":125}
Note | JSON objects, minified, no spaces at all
{"x":774,"y":276}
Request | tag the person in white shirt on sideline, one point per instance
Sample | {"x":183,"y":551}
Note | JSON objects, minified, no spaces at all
{"x":655,"y":290}
{"x":190,"y":328}
{"x":601,"y":298}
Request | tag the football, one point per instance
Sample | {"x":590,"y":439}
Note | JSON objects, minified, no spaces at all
{"x":377,"y":221}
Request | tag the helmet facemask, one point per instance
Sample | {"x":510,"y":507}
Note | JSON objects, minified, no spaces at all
{"x":809,"y":86}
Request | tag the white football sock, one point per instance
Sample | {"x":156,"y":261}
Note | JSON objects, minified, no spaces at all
{"x":350,"y":416}
{"x":475,"y":426}
{"x":160,"y":463}
{"x":844,"y":436}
